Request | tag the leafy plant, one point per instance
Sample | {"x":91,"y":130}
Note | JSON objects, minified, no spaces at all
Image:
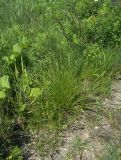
{"x":53,"y":55}
{"x":15,"y":153}
{"x":4,"y":85}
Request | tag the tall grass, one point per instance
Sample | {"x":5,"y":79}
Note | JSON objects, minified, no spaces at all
{"x":55,"y":53}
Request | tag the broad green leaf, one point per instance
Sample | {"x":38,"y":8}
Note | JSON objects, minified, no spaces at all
{"x":2,"y":94}
{"x":35,"y":92}
{"x":75,"y":39}
{"x":12,"y":57}
{"x":17,"y":48}
{"x":4,"y":83}
{"x":10,"y":157}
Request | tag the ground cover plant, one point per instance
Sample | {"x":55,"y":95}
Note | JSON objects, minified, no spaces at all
{"x":53,"y":56}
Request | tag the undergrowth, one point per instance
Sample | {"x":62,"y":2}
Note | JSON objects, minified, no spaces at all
{"x":53,"y":56}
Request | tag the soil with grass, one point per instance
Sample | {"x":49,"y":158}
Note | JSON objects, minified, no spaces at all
{"x":94,"y":136}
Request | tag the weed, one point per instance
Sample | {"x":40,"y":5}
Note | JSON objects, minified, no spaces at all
{"x":53,"y":55}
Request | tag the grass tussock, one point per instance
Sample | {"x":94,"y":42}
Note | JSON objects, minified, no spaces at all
{"x":53,"y":56}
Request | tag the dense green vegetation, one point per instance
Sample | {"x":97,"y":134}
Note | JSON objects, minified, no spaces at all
{"x":53,"y":56}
